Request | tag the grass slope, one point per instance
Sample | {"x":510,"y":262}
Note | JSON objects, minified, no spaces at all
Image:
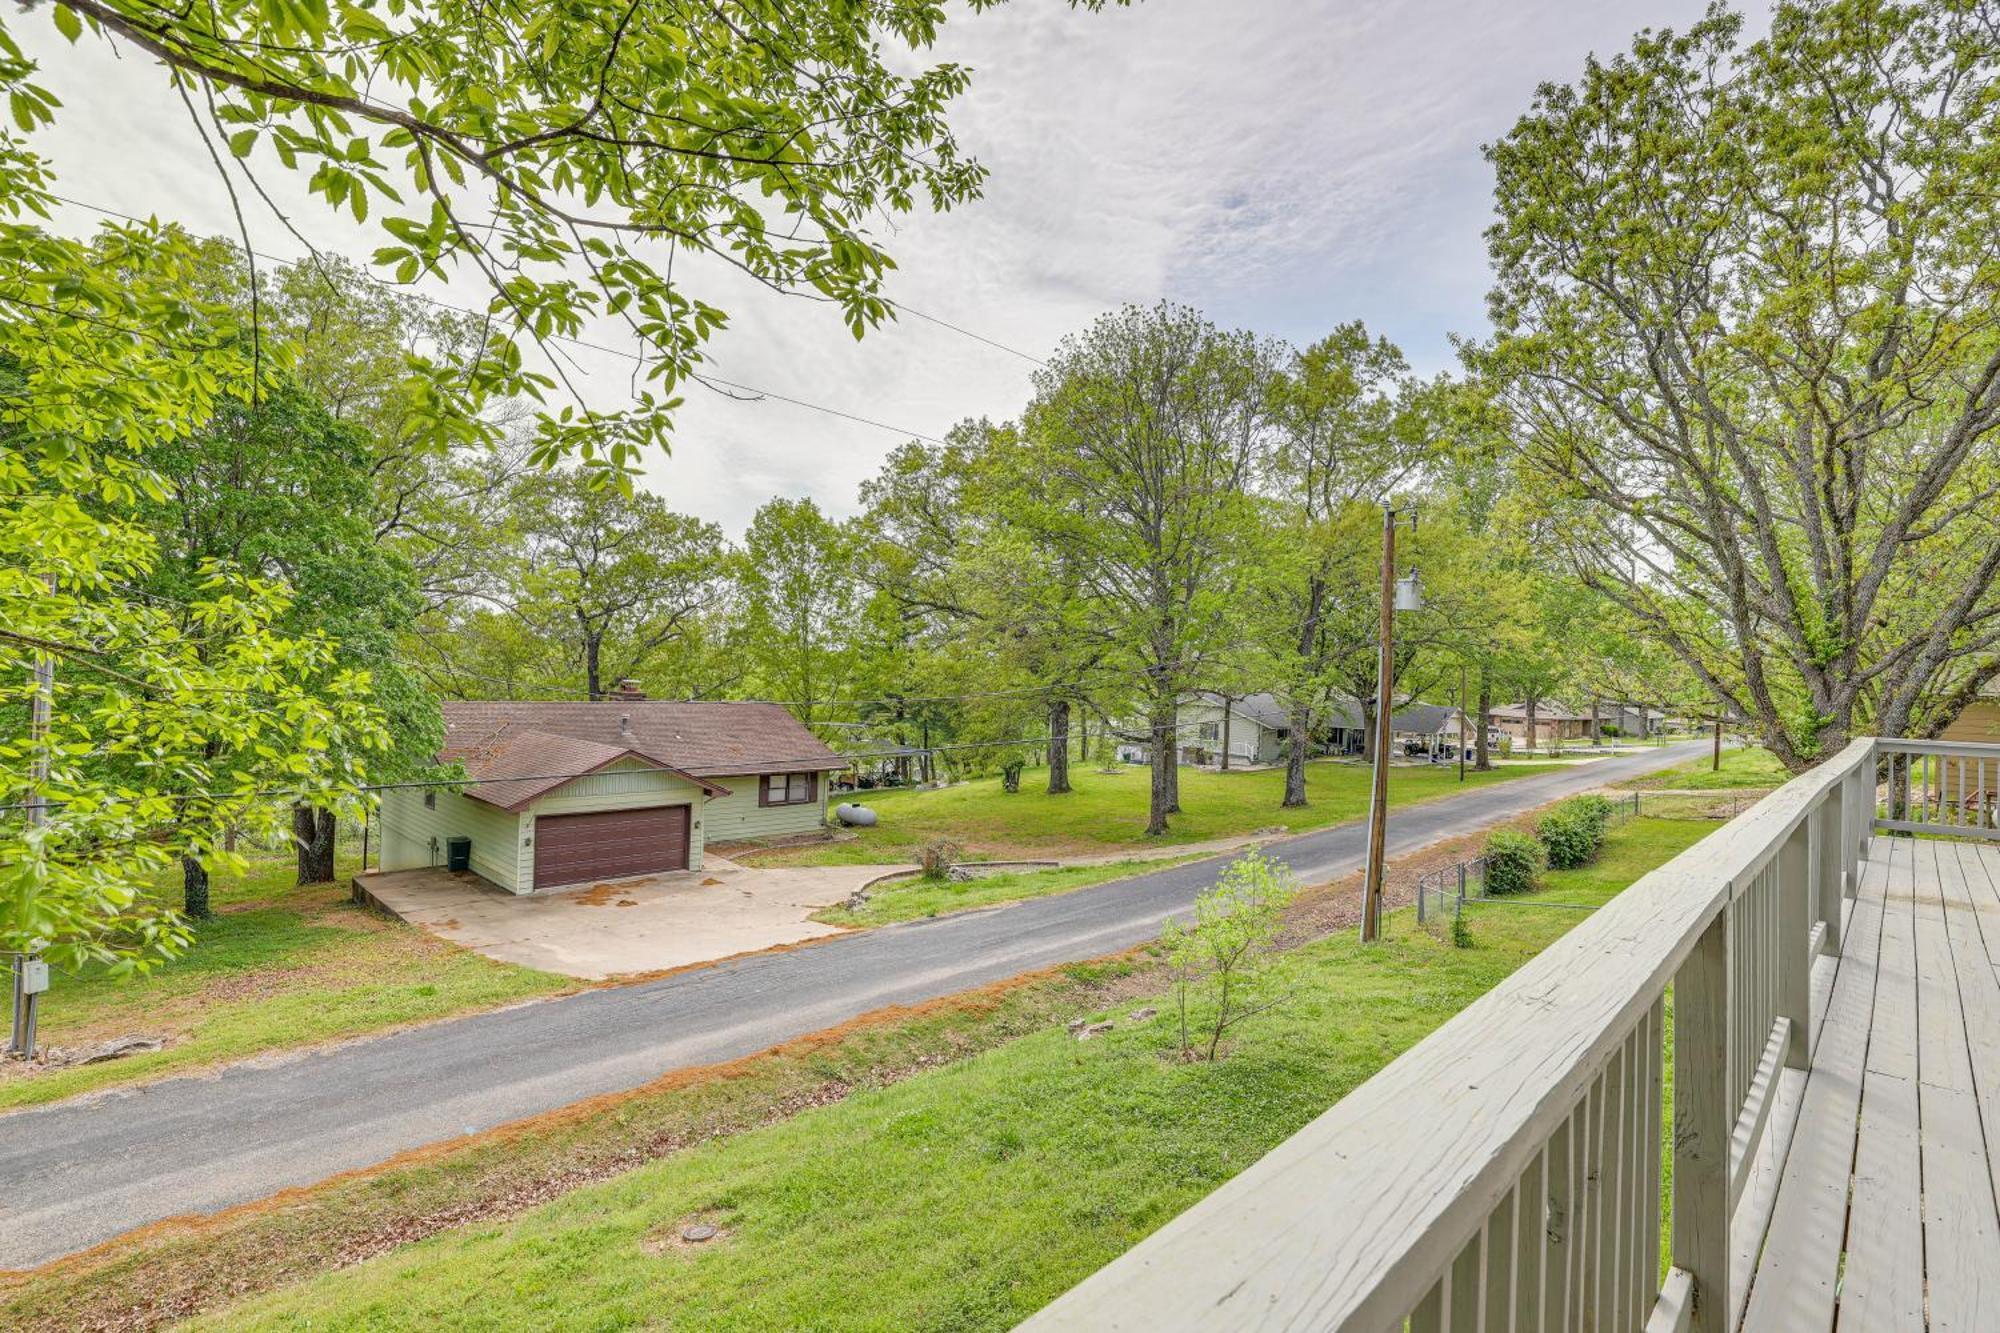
{"x":1107,"y":811}
{"x":278,"y":966}
{"x":908,"y":899}
{"x":1745,"y":766}
{"x":965,"y":1197}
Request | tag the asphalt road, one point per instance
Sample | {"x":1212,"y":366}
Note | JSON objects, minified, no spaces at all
{"x":86,"y":1170}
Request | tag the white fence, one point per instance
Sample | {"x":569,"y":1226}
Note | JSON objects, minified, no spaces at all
{"x":1506,"y":1172}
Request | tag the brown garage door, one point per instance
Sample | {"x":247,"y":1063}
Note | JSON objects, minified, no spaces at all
{"x":570,"y":849}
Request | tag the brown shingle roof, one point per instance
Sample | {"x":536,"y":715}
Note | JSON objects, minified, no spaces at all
{"x":539,"y":745}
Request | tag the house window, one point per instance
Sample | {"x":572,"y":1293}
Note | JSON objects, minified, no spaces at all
{"x":430,"y":800}
{"x":788,"y":789}
{"x":1209,"y":730}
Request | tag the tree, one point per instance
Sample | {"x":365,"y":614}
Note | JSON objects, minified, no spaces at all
{"x":801,"y":607}
{"x":1140,"y":441}
{"x":1351,"y":424}
{"x":1227,"y":945}
{"x":570,"y":155}
{"x":1749,"y":322}
{"x":617,"y":580}
{"x":280,"y":489}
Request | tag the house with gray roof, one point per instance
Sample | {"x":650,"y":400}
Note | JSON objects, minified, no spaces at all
{"x":560,"y":793}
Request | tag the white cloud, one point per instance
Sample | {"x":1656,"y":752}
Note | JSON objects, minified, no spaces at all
{"x":1284,"y":166}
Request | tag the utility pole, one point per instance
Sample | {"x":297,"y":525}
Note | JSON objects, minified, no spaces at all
{"x":30,"y":973}
{"x":1378,"y":800}
{"x":1461,"y":721}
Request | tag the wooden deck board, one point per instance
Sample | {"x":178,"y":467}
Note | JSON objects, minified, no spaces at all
{"x":1798,"y":1276}
{"x":1883,"y":1286}
{"x":1889,"y":1206}
{"x":1961,"y":1225}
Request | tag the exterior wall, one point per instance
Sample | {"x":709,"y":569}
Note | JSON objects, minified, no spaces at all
{"x":413,"y":835}
{"x":737,"y":816}
{"x":1979,"y":722}
{"x":624,"y":786}
{"x":1250,"y":741}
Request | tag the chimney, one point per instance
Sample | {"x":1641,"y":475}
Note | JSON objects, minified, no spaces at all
{"x":628,"y":689}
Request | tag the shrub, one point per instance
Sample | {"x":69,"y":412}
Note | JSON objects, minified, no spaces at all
{"x":1461,"y":932}
{"x":939,"y":856}
{"x":1574,"y":830}
{"x":1513,"y":862}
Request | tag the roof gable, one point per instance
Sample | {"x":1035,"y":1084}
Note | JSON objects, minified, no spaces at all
{"x":533,"y":747}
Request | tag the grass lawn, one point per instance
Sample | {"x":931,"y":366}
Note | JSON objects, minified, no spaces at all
{"x":959,"y":1198}
{"x":908,"y":899}
{"x":278,"y":966}
{"x":1744,"y":766}
{"x":1107,"y":811}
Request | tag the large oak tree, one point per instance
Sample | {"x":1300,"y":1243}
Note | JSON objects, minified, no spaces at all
{"x":1748,"y":299}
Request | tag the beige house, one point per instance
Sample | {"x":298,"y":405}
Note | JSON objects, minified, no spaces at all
{"x":571,"y":793}
{"x":1553,"y":722}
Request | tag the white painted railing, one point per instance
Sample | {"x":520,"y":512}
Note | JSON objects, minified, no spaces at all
{"x":1940,"y":787}
{"x":1506,"y":1172}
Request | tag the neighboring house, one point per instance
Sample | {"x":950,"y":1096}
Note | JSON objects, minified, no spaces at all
{"x":1980,"y":721}
{"x":1433,"y":729}
{"x":571,"y":793}
{"x":1259,"y":729}
{"x":1633,"y":719}
{"x":1553,"y":722}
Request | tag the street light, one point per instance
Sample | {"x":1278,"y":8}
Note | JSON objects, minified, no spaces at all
{"x":1397,"y":595}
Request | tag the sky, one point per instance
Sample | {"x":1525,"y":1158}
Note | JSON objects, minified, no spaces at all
{"x":1285,"y":167}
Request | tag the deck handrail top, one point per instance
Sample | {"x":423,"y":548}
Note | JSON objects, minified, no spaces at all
{"x":1348,"y":1222}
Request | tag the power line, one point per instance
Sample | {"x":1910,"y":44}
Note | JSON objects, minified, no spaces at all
{"x":282,"y":794}
{"x":626,"y":353}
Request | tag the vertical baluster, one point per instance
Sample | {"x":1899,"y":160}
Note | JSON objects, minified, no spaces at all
{"x":1656,"y":1058}
{"x":1703,"y":1123}
{"x":1557,"y":1311}
{"x":1830,"y":842}
{"x":1429,"y":1316}
{"x":1464,"y":1303}
{"x":1794,"y":934}
{"x":1503,"y":1263}
{"x":1610,"y":1191}
{"x":1531,"y":1246}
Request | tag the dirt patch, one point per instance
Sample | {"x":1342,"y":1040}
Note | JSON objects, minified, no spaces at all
{"x":706,"y":1230}
{"x":261,"y":984}
{"x":597,"y":895}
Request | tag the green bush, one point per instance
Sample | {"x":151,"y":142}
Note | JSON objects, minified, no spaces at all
{"x":1513,"y":862}
{"x":1574,"y":830}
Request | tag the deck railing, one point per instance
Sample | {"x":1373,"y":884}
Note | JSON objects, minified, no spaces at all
{"x":1505,"y":1173}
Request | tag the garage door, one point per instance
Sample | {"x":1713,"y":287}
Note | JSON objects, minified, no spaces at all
{"x":570,"y":849}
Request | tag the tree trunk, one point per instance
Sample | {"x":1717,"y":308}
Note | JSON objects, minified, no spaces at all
{"x":1059,"y":747}
{"x":1596,"y":727}
{"x":194,"y":889}
{"x":1368,"y":716}
{"x":1532,"y":704}
{"x":1228,"y":707}
{"x":313,"y":831}
{"x":1483,"y":760}
{"x":1163,"y":799}
{"x":1295,"y":757}
{"x":593,"y":683}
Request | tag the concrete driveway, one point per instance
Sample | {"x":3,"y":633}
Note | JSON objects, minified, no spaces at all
{"x":647,"y":923}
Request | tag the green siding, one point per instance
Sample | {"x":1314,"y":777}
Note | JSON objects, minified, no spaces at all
{"x":737,"y":816}
{"x":409,"y":828}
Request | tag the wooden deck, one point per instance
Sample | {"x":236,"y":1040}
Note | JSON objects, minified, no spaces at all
{"x":1886,"y":1214}
{"x":1818,"y":989}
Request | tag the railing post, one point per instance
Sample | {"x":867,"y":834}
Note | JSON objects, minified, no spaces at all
{"x":1830,"y":864}
{"x":1795,"y":913}
{"x":1703,"y":1124}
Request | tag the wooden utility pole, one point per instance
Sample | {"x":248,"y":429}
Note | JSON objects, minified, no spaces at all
{"x":1461,"y":721}
{"x":27,"y":996}
{"x":1378,"y":800}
